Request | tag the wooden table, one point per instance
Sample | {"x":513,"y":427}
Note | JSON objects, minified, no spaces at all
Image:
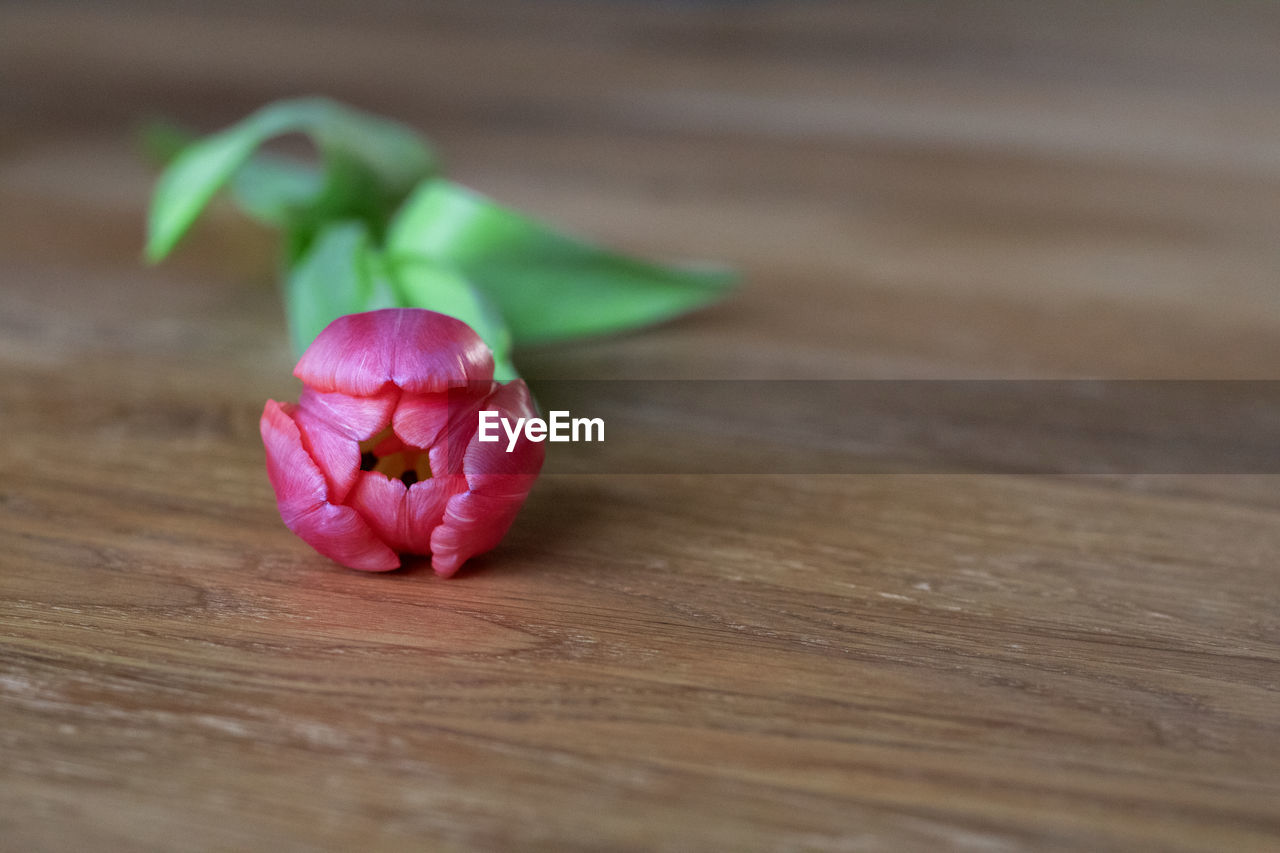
{"x":888,"y":661}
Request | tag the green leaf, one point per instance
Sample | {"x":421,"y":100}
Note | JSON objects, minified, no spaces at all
{"x":268,"y":188}
{"x":340,"y":274}
{"x":351,"y":190}
{"x":548,"y":286}
{"x":387,"y":157}
{"x":426,"y":284}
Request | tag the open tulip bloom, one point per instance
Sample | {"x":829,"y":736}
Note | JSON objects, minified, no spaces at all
{"x":380,"y":457}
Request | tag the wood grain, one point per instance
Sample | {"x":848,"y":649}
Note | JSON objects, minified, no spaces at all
{"x":888,"y":661}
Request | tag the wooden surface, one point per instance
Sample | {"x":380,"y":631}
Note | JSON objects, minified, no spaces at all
{"x":676,"y":662}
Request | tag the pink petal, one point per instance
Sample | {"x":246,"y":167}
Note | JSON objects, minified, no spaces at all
{"x":357,"y":418}
{"x":380,"y":501}
{"x":337,"y":532}
{"x":418,"y":350}
{"x":337,"y":456}
{"x":451,"y":446}
{"x":419,"y":418}
{"x":489,"y":468}
{"x":472,"y":525}
{"x":424,"y":507}
{"x":498,"y":483}
{"x":298,"y":483}
{"x":403,"y":517}
{"x":448,"y":417}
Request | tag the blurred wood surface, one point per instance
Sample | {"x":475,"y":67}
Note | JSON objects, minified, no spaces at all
{"x":897,"y":661}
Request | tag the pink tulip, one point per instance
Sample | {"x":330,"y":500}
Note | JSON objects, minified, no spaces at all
{"x":379,"y":456}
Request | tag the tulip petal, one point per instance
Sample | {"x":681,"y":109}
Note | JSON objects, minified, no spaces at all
{"x":424,"y":508}
{"x":380,"y":501}
{"x":491,"y":470}
{"x":498,"y":483}
{"x":435,"y":352}
{"x":489,"y":467}
{"x":297,"y":481}
{"x":448,"y":417}
{"x":418,"y":350}
{"x":472,"y":525}
{"x":337,"y":532}
{"x":403,"y":517}
{"x":357,"y":418}
{"x":337,"y":456}
{"x":451,"y":445}
{"x":419,"y":418}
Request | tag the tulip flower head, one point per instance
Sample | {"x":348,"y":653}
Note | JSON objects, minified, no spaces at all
{"x":379,"y":457}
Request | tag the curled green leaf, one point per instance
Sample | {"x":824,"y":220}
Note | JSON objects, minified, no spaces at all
{"x":268,"y":188}
{"x":272,"y":189}
{"x":370,"y":164}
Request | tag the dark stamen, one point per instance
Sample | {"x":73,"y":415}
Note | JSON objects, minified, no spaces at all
{"x":409,"y":477}
{"x":368,"y":461}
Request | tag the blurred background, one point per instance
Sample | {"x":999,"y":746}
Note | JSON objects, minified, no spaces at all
{"x":923,"y":189}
